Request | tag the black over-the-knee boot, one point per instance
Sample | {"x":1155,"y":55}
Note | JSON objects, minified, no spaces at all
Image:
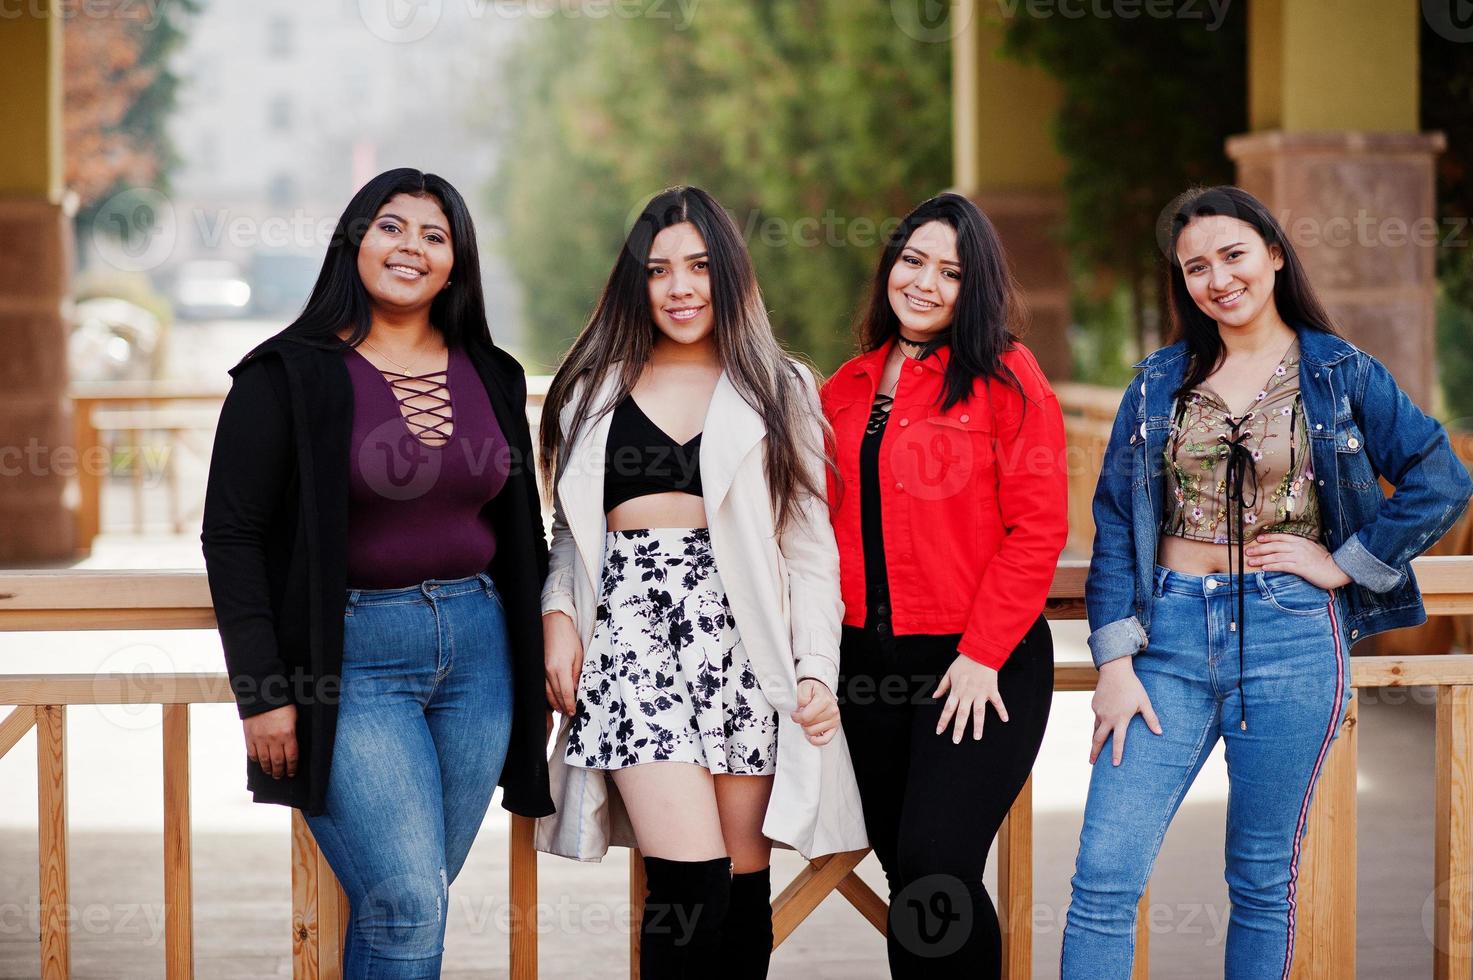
{"x":746,"y":939}
{"x":680,"y":934}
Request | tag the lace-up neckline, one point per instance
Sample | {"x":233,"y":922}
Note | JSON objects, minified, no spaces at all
{"x":424,"y":402}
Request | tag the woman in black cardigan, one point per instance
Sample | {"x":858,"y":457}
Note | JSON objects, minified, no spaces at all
{"x":375,"y":553}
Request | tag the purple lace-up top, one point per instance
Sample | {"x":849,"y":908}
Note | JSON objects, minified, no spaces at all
{"x":420,"y":477}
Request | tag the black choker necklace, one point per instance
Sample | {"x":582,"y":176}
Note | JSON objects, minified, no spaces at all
{"x":919,"y":350}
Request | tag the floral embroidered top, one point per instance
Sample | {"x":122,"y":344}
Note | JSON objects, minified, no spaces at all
{"x":1263,"y":457}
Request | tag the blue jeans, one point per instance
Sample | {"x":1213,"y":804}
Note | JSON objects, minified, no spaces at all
{"x":423,"y":725}
{"x":1295,"y":686}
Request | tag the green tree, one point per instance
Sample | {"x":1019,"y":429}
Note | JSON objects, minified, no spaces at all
{"x":120,"y":92}
{"x":1447,"y":106}
{"x":1147,"y":104}
{"x":817,"y":123}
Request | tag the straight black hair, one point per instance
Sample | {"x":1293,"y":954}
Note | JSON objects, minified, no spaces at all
{"x":987,"y":303}
{"x":339,"y":298}
{"x":1293,"y":295}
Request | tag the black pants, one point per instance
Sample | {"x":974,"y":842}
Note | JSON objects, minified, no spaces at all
{"x":932,"y":808}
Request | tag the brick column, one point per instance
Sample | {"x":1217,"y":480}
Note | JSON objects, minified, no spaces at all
{"x":36,"y":455}
{"x":1361,"y":210}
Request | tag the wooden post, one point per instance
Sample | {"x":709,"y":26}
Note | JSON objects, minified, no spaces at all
{"x":1141,"y":968}
{"x":320,"y":910}
{"x":135,"y":478}
{"x":89,"y":478}
{"x":1015,"y":886}
{"x":1453,"y":848}
{"x":178,"y":868}
{"x":1325,"y":902}
{"x":805,"y":892}
{"x":22,"y":718}
{"x":637,"y":892}
{"x":522,"y":896}
{"x":51,"y":839}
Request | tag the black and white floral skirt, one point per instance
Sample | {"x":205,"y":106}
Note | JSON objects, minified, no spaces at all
{"x":665,"y":677}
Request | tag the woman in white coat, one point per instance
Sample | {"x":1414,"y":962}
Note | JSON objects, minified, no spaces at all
{"x":692,"y":614}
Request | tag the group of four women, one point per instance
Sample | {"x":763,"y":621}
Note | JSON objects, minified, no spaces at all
{"x":775,"y":612}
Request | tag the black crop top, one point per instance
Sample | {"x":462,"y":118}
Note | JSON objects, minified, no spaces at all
{"x":640,"y":459}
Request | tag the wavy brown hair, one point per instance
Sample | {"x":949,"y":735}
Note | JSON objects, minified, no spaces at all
{"x":621,"y":333}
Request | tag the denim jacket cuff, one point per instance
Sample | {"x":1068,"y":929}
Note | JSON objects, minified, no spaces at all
{"x":1122,"y":638}
{"x":1365,"y":568}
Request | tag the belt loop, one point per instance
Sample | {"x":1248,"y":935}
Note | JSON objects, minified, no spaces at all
{"x":1161,"y":572}
{"x":487,"y":582}
{"x":353,"y":595}
{"x":1261,"y":578}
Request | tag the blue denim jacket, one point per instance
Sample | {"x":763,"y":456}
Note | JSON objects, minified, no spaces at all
{"x":1361,"y":426}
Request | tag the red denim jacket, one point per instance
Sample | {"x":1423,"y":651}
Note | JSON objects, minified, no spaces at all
{"x":974,"y":500}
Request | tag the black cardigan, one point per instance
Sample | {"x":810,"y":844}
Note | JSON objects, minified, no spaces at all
{"x":275,"y":546}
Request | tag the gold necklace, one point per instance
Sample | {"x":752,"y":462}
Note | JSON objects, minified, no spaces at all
{"x":405,"y":368}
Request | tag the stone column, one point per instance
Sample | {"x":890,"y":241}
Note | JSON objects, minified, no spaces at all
{"x":1004,"y":159}
{"x":1337,"y":154}
{"x":1360,"y":209}
{"x":36,"y":455}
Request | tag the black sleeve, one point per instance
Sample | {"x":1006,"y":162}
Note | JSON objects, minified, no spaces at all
{"x":528,"y":456}
{"x":250,"y":469}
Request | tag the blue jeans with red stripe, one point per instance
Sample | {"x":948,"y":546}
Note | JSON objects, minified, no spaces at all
{"x":1292,"y":690}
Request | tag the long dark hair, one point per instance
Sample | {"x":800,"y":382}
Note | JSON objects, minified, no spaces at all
{"x":1293,"y":295}
{"x":987,"y":304}
{"x":339,"y":298}
{"x":621,"y":333}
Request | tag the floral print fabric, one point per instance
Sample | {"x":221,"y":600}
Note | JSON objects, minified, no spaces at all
{"x":1282,"y":499}
{"x":665,"y":677}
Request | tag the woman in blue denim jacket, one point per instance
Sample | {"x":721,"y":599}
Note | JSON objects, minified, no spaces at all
{"x":1242,"y":544}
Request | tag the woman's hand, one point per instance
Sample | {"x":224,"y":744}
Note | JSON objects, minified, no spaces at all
{"x":1292,"y":553}
{"x":562,"y":661}
{"x":973,"y":687}
{"x":818,"y":711}
{"x":1119,"y":696}
{"x":271,"y":740}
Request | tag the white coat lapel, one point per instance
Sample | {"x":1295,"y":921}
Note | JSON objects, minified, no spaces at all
{"x":732,"y":429}
{"x":580,"y":485}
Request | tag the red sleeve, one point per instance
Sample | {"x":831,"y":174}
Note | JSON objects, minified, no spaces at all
{"x":1033,"y":494}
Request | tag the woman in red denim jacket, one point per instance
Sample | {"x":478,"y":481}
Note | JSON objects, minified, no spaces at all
{"x":949,"y":506}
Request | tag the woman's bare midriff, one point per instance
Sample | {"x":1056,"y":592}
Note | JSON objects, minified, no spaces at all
{"x":1194,"y":557}
{"x":658,"y":510}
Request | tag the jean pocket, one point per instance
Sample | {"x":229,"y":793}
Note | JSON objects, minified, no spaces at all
{"x":1288,"y":593}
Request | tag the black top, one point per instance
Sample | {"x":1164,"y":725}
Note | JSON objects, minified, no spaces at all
{"x":276,"y":542}
{"x":872,"y":535}
{"x":640,"y":459}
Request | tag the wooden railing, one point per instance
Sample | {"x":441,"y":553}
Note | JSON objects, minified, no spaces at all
{"x":1089,"y":412}
{"x":71,"y":600}
{"x":131,"y":410}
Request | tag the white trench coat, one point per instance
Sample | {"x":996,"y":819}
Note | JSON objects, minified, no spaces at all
{"x":784,"y":595}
